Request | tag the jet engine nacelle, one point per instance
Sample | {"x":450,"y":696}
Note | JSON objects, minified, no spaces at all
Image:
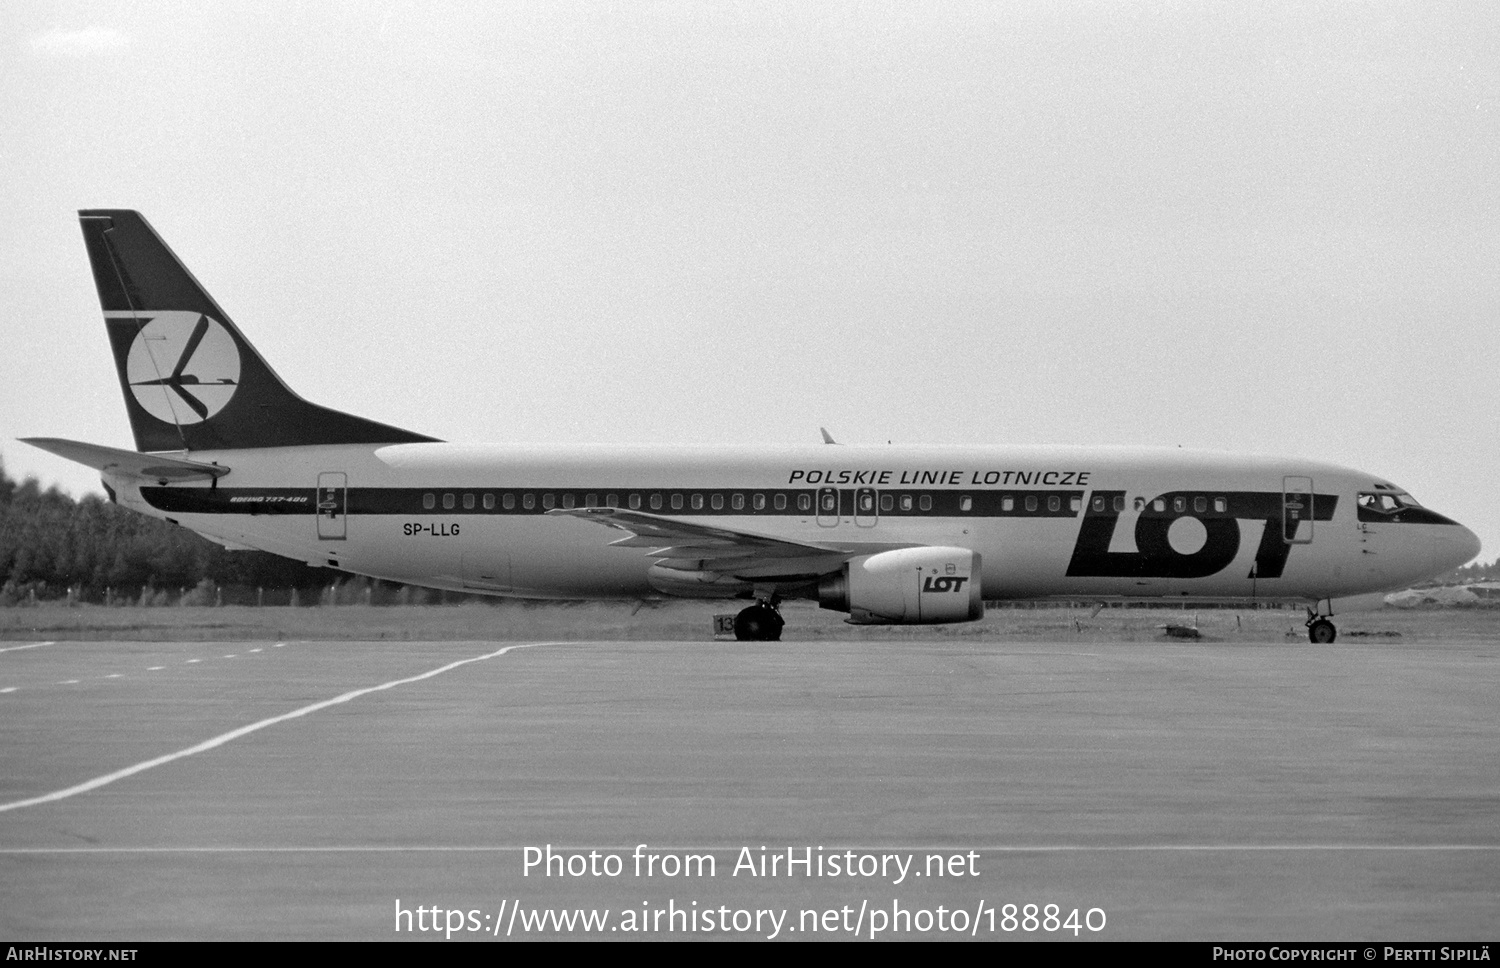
{"x":910,"y":586}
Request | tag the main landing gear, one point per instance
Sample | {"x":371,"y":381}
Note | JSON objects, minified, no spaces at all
{"x":1320,"y":630}
{"x":761,"y":622}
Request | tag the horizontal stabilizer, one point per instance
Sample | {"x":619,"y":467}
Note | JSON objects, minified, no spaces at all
{"x":156,"y":467}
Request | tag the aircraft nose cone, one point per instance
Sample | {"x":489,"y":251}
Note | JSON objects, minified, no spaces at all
{"x":1471,"y":546}
{"x":1455,"y":549}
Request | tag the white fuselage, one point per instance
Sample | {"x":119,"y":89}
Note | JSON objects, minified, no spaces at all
{"x":1081,"y":523}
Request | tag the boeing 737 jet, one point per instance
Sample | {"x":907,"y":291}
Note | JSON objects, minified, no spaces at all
{"x":889,"y":535}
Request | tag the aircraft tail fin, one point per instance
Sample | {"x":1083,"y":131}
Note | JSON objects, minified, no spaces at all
{"x":191,"y":380}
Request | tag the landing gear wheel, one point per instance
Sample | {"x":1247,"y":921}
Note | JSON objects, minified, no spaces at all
{"x":758,"y":623}
{"x":1321,"y":632}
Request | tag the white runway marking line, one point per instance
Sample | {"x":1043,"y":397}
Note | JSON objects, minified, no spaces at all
{"x":33,"y":645}
{"x":234,"y":734}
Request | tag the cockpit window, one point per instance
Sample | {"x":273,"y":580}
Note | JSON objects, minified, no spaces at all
{"x":1386,"y":502}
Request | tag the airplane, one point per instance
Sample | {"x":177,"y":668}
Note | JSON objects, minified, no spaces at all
{"x":887,"y":534}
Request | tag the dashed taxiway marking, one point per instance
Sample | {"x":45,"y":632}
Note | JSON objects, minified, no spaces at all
{"x":32,"y":645}
{"x":115,"y":675}
{"x":234,"y":734}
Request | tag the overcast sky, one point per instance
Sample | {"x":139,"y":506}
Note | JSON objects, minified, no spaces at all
{"x":1254,"y":227}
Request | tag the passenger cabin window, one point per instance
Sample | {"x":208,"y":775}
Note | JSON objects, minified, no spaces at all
{"x":906,"y":502}
{"x":635,"y":502}
{"x":656,"y":502}
{"x":779,"y":501}
{"x":1075,"y":504}
{"x":567,"y":500}
{"x":447,"y":502}
{"x":528,"y":501}
{"x":509,"y":501}
{"x":1220,"y":504}
{"x":830,"y":502}
{"x":804,"y":502}
{"x":718,"y":502}
{"x":1007,"y":503}
{"x":886,"y":503}
{"x":965,"y":503}
{"x":758,"y":502}
{"x":737,"y":502}
{"x":925,"y":502}
{"x":866,"y":503}
{"x":468,"y":502}
{"x":1200,"y":504}
{"x":591,"y":501}
{"x":1098,"y":503}
{"x":697,"y":502}
{"x":1031,"y":502}
{"x":1179,"y":504}
{"x":1053,"y":502}
{"x":549,"y":501}
{"x":1119,"y":503}
{"x":1140,"y":504}
{"x":489,"y":502}
{"x":611,"y":500}
{"x":1160,"y":504}
{"x":677,"y":502}
{"x":429,"y":501}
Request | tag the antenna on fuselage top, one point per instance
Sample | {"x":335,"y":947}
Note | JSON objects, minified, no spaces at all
{"x":828,"y":438}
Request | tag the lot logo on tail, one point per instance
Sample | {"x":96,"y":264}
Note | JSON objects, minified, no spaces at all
{"x":183,"y":367}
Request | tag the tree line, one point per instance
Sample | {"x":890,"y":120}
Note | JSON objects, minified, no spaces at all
{"x":54,"y":546}
{"x":1475,"y":571}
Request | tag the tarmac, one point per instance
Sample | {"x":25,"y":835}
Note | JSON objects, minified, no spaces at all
{"x":278,"y":790}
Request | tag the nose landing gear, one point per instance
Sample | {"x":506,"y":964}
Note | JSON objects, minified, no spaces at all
{"x":761,"y":622}
{"x":1320,"y":630}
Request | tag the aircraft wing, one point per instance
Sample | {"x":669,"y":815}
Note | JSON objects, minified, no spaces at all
{"x":728,"y":551}
{"x":157,"y":467}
